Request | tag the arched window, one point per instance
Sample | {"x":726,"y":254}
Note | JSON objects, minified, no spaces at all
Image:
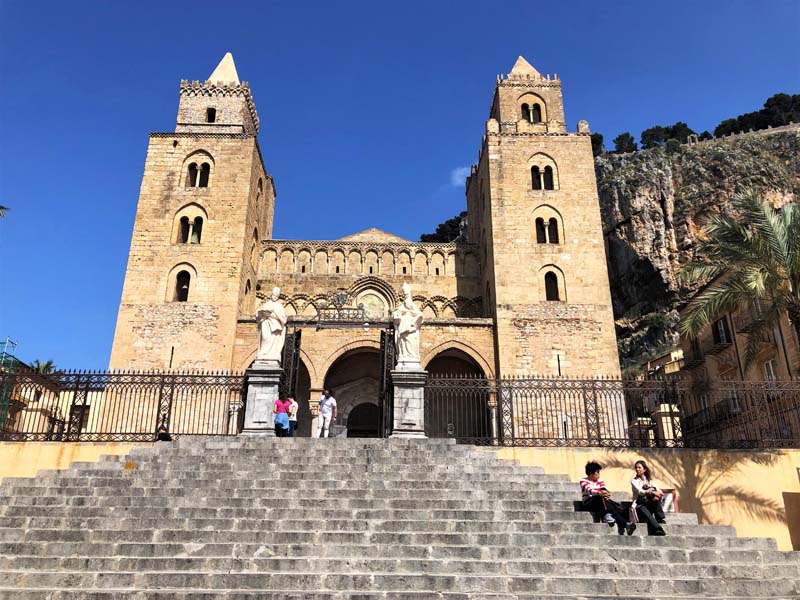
{"x":526,"y":112}
{"x":548,"y":178}
{"x":183,"y":232}
{"x":197,"y":230}
{"x":551,"y":286}
{"x":541,"y":235}
{"x":211,"y":115}
{"x":191,"y":176}
{"x":182,"y":286}
{"x":205,"y":171}
{"x":552,"y":230}
{"x":536,"y":114}
{"x":254,"y":246}
{"x":536,"y":178}
{"x":247,"y":288}
{"x":337,"y":268}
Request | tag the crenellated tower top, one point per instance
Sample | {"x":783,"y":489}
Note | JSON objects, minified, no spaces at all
{"x":222,"y":104}
{"x":527,"y":101}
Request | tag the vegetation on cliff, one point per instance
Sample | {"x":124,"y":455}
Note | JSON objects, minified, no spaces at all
{"x":653,"y":205}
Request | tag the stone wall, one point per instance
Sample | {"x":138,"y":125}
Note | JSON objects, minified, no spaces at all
{"x":154,"y":331}
{"x":533,"y":334}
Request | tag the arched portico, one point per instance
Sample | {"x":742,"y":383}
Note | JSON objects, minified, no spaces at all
{"x":354,"y":379}
{"x":459,"y":411}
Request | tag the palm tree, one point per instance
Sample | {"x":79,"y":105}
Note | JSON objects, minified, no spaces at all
{"x":3,"y":211}
{"x":755,"y":258}
{"x":45,"y":367}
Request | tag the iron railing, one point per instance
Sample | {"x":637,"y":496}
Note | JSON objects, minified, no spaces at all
{"x":118,"y":406}
{"x":667,"y":413}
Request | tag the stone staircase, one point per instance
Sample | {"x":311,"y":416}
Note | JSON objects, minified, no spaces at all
{"x":349,"y":519}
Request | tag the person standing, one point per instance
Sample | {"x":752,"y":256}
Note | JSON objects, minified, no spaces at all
{"x":293,"y":408}
{"x":327,"y":413}
{"x":281,"y":409}
{"x":647,"y":499}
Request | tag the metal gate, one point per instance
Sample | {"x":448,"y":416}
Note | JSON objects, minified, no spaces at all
{"x":386,"y":389}
{"x":290,"y":361}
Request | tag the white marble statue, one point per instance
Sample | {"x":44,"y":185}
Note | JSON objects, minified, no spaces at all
{"x":407,"y":322}
{"x":271,"y":319}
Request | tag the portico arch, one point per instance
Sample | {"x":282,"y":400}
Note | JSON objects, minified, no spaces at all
{"x":459,"y":411}
{"x":453,"y":348}
{"x":354,"y":379}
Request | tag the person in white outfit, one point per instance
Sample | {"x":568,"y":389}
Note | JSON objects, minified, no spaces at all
{"x":327,"y":413}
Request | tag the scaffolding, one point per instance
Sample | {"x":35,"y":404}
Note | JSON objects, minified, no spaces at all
{"x":8,"y":369}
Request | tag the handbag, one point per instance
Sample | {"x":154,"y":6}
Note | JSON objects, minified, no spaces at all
{"x":633,"y":516}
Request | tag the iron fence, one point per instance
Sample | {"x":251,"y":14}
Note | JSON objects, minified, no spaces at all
{"x":667,"y":413}
{"x":118,"y":406}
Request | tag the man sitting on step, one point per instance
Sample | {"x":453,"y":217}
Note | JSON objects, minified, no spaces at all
{"x":597,"y":498}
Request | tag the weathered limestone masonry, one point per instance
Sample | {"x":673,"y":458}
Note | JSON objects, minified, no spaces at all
{"x":196,"y":231}
{"x":202,"y":253}
{"x":532,"y":202}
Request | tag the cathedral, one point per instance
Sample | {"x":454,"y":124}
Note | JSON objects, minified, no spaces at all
{"x":524,"y":290}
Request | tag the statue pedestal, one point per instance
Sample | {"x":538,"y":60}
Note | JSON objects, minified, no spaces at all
{"x":409,"y":402}
{"x":262,"y":391}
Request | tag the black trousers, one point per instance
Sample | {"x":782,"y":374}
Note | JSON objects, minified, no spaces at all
{"x":651,"y":513}
{"x":597,"y":504}
{"x":281,"y":432}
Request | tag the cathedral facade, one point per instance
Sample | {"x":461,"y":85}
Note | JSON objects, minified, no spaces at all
{"x":523,"y":292}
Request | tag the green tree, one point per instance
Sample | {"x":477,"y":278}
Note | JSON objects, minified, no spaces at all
{"x":755,"y":257}
{"x":679,"y":131}
{"x":445,"y":232}
{"x":653,"y":137}
{"x":706,"y":135}
{"x":597,"y":144}
{"x":673,"y":146}
{"x":44,"y":368}
{"x":624,"y":142}
{"x":779,"y":110}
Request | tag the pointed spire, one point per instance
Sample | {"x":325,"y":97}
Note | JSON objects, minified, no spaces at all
{"x":225,"y":71}
{"x":523,"y":67}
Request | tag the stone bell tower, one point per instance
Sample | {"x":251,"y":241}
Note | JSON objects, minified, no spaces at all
{"x":534,"y":210}
{"x":205,"y":202}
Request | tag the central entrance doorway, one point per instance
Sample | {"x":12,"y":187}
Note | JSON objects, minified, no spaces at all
{"x":364,"y":421}
{"x":354,"y":380}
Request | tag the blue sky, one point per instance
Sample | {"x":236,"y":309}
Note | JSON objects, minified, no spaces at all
{"x":367,"y":110}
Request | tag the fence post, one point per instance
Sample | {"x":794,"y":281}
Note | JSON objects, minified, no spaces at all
{"x":590,"y":406}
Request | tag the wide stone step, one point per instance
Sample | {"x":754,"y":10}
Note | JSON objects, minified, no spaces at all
{"x":614,"y":551}
{"x":717,"y":588}
{"x":348,"y":488}
{"x":371,"y":564}
{"x":579,"y":523}
{"x":202,"y":594}
{"x":196,"y":594}
{"x":9,"y":514}
{"x":595,"y":536}
{"x":300,"y":483}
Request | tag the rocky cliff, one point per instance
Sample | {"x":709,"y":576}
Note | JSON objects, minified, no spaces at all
{"x":653,"y":205}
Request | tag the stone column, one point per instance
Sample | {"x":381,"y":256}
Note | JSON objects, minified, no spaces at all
{"x":313,"y":406}
{"x":409,"y":402}
{"x":262,"y":391}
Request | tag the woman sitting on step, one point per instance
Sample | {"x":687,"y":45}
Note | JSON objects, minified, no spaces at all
{"x":647,"y":499}
{"x":597,"y":498}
